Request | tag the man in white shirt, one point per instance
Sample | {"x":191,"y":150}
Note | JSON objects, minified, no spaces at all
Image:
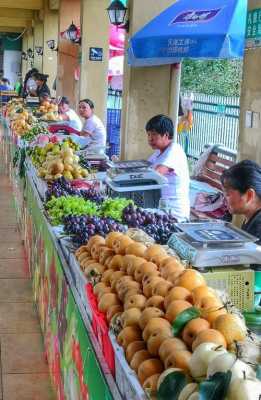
{"x":170,"y":160}
{"x":68,"y":114}
{"x":93,"y":129}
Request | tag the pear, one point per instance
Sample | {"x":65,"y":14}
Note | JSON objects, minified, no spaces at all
{"x":244,"y":389}
{"x":202,"y":356}
{"x":222,"y":363}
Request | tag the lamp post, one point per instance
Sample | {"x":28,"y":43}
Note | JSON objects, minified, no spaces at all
{"x":72,"y":32}
{"x":117,"y":14}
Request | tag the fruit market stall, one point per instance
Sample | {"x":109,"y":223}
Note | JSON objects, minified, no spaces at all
{"x":122,"y":315}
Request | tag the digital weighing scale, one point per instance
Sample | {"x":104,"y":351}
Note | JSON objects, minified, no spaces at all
{"x":136,"y":180}
{"x":223,"y":253}
{"x":32,"y":101}
{"x":215,"y":244}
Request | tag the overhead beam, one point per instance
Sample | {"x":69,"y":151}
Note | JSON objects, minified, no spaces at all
{"x":24,"y":4}
{"x":15,"y":22}
{"x":16,"y":13}
{"x":8,"y":29}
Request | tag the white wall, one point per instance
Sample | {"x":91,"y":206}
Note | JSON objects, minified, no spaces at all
{"x":12,"y":65}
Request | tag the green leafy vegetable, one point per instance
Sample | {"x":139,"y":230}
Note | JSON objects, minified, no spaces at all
{"x":183,"y":318}
{"x":63,"y":206}
{"x":215,"y":387}
{"x":113,"y":208}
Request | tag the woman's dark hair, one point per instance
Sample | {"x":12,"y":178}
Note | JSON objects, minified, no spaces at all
{"x":40,"y":77}
{"x":243,"y":176}
{"x":161,"y":124}
{"x":63,"y":100}
{"x":88,"y":101}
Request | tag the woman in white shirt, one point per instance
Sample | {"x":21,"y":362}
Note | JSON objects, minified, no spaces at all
{"x":93,"y":129}
{"x":68,"y":114}
{"x":170,"y":160}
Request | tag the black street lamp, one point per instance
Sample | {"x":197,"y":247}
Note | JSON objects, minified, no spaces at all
{"x":72,"y":32}
{"x":30,"y":53}
{"x":24,"y":56}
{"x":39,"y":50}
{"x":117,"y":14}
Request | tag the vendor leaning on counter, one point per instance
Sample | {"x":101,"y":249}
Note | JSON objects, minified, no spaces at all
{"x":93,"y":129}
{"x":170,"y":160}
{"x":242,"y":189}
{"x":68,"y":114}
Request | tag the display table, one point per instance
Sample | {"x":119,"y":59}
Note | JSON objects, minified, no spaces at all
{"x":77,"y":366}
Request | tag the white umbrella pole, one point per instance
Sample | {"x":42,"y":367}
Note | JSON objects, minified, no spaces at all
{"x":174,"y":97}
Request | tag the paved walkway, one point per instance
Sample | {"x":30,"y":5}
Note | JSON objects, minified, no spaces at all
{"x":24,"y":372}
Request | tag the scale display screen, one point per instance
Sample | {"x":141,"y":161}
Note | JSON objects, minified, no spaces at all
{"x":132,"y":164}
{"x":218,"y":232}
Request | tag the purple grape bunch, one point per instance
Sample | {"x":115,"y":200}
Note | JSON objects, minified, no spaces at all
{"x":81,"y":228}
{"x":159,"y":226}
{"x":62,"y":187}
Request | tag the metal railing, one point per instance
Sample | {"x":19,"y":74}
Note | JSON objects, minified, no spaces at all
{"x":215,"y":120}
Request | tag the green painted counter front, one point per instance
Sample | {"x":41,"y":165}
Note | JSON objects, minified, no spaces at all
{"x":74,"y":368}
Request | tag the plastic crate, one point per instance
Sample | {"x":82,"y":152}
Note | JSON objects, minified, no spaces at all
{"x":101,"y":330}
{"x":238,"y":282}
{"x":142,"y":198}
{"x":125,"y":377}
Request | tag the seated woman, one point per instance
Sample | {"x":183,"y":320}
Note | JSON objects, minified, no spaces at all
{"x":41,"y":82}
{"x":93,"y":130}
{"x":170,"y":160}
{"x":68,"y":114}
{"x":242,"y":189}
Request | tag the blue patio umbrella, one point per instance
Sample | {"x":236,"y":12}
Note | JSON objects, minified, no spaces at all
{"x":205,"y":29}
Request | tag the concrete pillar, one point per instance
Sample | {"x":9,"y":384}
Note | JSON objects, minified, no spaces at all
{"x":50,"y":32}
{"x":68,"y":55}
{"x":24,"y":62}
{"x":94,"y":74}
{"x":146,"y":91}
{"x":250,"y":138}
{"x":30,"y":45}
{"x":38,"y":41}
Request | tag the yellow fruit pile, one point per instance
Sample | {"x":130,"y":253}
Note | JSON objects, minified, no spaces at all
{"x":50,"y":111}
{"x":142,"y":290}
{"x":54,"y":161}
{"x":21,"y":122}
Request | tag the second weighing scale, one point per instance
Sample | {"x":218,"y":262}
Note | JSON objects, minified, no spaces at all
{"x":214,"y":244}
{"x":136,"y":180}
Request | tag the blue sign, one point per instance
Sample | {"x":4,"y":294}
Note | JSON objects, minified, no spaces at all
{"x":96,"y":54}
{"x":213,"y":29}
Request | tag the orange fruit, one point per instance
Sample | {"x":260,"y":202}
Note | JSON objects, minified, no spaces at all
{"x":148,"y":368}
{"x":209,"y":335}
{"x":170,"y":345}
{"x":133,"y":347}
{"x":155,"y":301}
{"x":211,"y":307}
{"x":177,"y":293}
{"x":138,"y":358}
{"x":201,"y":291}
{"x":137,"y":249}
{"x":190,"y":279}
{"x":178,"y":359}
{"x":175,"y":308}
{"x":231,"y":327}
{"x":192,"y":329}
{"x":154,"y":250}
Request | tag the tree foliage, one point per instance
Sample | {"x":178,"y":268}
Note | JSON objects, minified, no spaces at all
{"x":219,"y":77}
